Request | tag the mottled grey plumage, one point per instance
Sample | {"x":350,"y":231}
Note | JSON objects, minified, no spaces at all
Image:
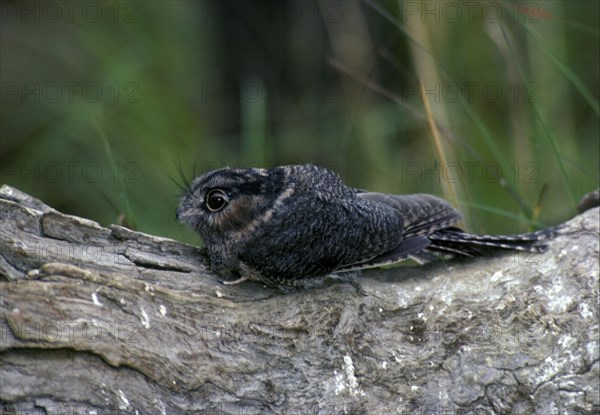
{"x":282,"y":224}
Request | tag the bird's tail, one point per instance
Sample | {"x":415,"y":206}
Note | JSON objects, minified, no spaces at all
{"x":454,"y":241}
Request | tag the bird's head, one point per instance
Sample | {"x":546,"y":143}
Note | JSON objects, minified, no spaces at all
{"x":230,"y":200}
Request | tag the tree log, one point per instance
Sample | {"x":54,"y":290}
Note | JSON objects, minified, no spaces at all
{"x":101,"y":320}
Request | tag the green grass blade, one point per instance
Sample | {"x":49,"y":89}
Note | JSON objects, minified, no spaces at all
{"x":548,"y":133}
{"x":500,"y":212}
{"x":123,"y":195}
{"x":569,"y":74}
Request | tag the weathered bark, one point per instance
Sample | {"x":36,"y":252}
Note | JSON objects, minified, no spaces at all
{"x":110,"y":320}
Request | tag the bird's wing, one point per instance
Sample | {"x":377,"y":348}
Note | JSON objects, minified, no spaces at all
{"x":317,"y":237}
{"x":421,"y":214}
{"x":408,"y":248}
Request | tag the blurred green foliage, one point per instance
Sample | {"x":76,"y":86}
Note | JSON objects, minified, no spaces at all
{"x":101,"y":100}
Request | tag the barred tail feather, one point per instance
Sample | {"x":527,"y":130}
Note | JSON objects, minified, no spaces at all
{"x":454,"y":240}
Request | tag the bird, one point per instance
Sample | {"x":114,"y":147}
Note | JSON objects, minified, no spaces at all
{"x":286,"y":224}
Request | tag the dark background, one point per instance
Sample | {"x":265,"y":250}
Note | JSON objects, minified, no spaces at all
{"x":102,"y":100}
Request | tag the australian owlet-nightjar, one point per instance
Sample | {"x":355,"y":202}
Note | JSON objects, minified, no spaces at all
{"x":287,"y":223}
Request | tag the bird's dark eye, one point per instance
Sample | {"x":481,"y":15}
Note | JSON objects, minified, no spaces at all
{"x":216,"y":199}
